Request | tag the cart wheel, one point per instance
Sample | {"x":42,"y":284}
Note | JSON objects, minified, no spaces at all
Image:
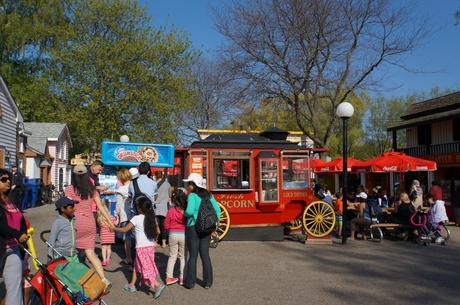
{"x":224,"y":224}
{"x":318,"y":219}
{"x":295,"y":224}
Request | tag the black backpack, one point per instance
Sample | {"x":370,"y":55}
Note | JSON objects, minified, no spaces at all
{"x":206,"y":221}
{"x":137,"y":194}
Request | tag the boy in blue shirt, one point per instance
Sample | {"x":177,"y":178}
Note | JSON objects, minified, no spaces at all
{"x":62,"y":237}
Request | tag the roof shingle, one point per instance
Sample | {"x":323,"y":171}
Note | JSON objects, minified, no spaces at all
{"x":434,"y":105}
{"x":45,"y":130}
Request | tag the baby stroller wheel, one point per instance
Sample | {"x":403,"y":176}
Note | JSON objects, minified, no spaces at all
{"x":34,"y":298}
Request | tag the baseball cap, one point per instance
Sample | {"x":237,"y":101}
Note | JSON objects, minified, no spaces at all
{"x":134,"y":172}
{"x":362,"y":195}
{"x":79,"y":169}
{"x":63,"y":202}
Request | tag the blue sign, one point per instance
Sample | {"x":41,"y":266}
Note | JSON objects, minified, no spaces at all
{"x":131,"y":154}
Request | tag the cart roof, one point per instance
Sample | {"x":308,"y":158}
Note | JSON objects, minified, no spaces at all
{"x":239,"y":140}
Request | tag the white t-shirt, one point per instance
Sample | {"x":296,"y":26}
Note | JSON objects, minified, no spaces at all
{"x":123,"y":202}
{"x":141,"y":239}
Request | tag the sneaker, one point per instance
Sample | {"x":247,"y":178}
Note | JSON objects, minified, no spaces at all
{"x":439,"y":240}
{"x":171,"y":280}
{"x":129,"y":288}
{"x":104,"y":263}
{"x":159,"y":291}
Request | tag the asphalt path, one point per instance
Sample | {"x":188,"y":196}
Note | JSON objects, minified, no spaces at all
{"x":290,"y":272}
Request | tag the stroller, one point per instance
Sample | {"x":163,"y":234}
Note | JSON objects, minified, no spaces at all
{"x":54,"y":283}
{"x":427,"y":233}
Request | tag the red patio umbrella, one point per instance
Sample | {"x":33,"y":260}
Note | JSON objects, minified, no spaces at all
{"x":316,"y":162}
{"x":395,"y":162}
{"x":336,"y":165}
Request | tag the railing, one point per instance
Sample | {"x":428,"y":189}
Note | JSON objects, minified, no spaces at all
{"x":437,"y":149}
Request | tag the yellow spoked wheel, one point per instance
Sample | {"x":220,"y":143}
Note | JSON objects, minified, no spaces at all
{"x":318,"y":219}
{"x":224,"y":224}
{"x":295,"y":224}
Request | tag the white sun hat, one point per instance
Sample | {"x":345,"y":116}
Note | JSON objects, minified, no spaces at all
{"x":134,"y":172}
{"x":195,"y":178}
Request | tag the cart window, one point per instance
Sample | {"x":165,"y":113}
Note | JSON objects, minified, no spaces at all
{"x":269,"y":180}
{"x":295,"y":173}
{"x":199,"y":164}
{"x":231,"y":174}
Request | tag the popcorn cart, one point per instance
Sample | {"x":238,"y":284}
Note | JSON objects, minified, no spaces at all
{"x":259,"y":180}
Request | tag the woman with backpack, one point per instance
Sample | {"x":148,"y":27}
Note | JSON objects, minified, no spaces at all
{"x":195,"y":240}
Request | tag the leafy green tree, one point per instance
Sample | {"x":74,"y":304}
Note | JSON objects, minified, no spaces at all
{"x":97,"y":65}
{"x":28,"y":29}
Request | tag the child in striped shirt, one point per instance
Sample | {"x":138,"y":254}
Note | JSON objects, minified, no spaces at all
{"x":107,"y":236}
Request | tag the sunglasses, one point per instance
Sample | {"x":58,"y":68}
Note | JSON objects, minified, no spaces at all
{"x":5,"y":180}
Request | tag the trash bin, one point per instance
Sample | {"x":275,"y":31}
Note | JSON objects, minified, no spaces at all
{"x":25,"y":194}
{"x":34,"y":190}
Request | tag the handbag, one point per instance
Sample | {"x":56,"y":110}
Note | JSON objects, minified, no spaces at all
{"x":214,"y":242}
{"x":92,"y":284}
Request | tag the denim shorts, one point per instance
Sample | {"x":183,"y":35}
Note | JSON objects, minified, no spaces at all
{"x":127,"y":235}
{"x":338,"y":218}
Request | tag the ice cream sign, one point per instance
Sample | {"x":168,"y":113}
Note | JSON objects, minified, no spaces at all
{"x":131,"y":154}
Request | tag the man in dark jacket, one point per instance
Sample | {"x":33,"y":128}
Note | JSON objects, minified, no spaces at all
{"x":17,"y":187}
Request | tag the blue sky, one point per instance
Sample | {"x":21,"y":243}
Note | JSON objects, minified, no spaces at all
{"x":438,"y":57}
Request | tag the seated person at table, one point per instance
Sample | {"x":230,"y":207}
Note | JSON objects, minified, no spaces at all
{"x":364,"y":217}
{"x":404,"y":209}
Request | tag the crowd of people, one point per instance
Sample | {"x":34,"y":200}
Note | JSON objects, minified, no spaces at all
{"x":364,"y":207}
{"x":148,"y":213}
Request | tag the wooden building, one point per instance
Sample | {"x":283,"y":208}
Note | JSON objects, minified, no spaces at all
{"x":432,"y":130}
{"x":13,"y":135}
{"x":51,"y":142}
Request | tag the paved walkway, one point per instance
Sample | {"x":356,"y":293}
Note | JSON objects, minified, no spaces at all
{"x":293,"y":273}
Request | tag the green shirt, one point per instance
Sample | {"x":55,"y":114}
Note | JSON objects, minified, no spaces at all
{"x":193,"y":206}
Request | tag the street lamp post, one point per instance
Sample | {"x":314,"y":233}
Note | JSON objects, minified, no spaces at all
{"x":345,"y":110}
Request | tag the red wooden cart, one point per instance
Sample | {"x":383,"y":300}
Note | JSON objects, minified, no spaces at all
{"x":259,"y":179}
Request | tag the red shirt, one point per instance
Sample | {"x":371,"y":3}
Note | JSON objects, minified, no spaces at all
{"x":339,"y":206}
{"x":436,"y":191}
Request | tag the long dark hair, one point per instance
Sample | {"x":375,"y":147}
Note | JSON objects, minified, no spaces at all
{"x":3,"y":172}
{"x":150,"y":223}
{"x":203,"y":193}
{"x":82,"y":186}
{"x":179,"y":198}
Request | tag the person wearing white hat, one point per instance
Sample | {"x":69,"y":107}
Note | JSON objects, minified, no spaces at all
{"x":197,"y":244}
{"x":364,"y":217}
{"x":134,"y":173}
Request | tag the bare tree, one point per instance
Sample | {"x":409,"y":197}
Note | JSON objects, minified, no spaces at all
{"x":314,"y":54}
{"x":215,"y":96}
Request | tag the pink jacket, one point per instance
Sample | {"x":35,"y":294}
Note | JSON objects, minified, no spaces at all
{"x":175,"y":220}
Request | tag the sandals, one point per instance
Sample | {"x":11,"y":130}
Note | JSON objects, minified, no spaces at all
{"x":129,"y":288}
